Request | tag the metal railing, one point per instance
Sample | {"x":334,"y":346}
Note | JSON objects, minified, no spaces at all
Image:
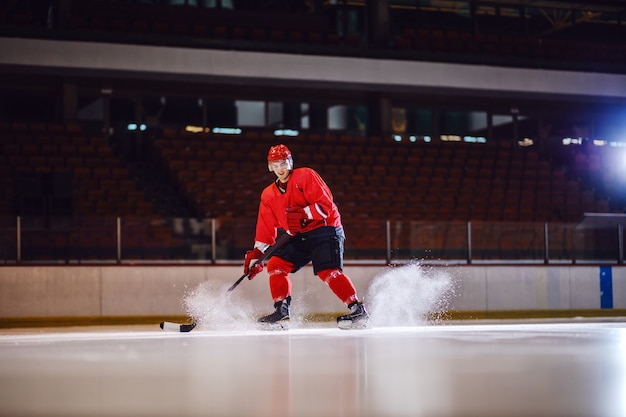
{"x":222,"y":240}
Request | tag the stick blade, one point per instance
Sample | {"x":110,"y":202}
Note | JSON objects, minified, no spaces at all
{"x":187,"y":327}
{"x":176,"y":327}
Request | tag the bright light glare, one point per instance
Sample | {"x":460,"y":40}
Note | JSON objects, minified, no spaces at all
{"x":622,"y":160}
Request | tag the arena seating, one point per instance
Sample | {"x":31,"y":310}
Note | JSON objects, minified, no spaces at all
{"x":375,"y":179}
{"x":448,"y":41}
{"x":78,"y":215}
{"x":379,"y":178}
{"x":221,"y":176}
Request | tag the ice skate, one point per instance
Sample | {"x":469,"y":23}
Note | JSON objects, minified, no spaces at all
{"x":279,"y":319}
{"x":356,"y":319}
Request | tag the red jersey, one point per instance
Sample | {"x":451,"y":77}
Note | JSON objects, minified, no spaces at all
{"x":305,"y":189}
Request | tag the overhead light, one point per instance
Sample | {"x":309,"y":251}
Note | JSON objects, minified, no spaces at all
{"x":572,"y":141}
{"x":135,"y":126}
{"x":227,"y":130}
{"x":286,"y":132}
{"x":474,"y":139}
{"x":194,"y":129}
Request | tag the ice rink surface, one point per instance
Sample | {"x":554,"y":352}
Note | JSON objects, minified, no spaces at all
{"x":539,"y":368}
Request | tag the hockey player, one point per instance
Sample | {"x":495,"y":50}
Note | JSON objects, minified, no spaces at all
{"x":301,"y":203}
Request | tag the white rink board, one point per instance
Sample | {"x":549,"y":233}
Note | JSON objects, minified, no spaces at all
{"x":144,"y":290}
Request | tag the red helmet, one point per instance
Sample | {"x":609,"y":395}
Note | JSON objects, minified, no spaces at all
{"x":279,"y":153}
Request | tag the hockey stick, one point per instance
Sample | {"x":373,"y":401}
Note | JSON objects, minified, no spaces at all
{"x":184,"y":328}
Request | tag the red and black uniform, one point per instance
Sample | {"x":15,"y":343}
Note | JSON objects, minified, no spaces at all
{"x":319,"y":239}
{"x":305,"y":189}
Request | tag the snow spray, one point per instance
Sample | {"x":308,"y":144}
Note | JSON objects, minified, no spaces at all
{"x":409,"y":295}
{"x":213,"y":308}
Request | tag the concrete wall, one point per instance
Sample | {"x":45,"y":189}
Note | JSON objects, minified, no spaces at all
{"x":110,"y":291}
{"x":298,"y":70}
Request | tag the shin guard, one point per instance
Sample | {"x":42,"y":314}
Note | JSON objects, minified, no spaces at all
{"x":340,"y":284}
{"x":280,"y":284}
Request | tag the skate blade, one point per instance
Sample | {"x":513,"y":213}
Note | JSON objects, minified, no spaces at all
{"x":352,"y":325}
{"x":276,"y":326}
